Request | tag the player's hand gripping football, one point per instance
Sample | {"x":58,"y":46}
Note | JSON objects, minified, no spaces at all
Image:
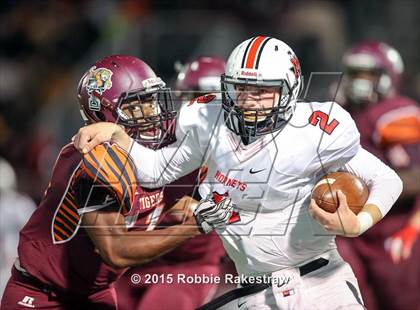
{"x":211,"y":215}
{"x":342,"y":222}
{"x":90,"y":136}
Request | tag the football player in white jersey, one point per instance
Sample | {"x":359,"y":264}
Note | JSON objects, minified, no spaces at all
{"x":266,"y":151}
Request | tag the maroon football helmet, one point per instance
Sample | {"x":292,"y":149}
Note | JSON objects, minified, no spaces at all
{"x":125,"y":90}
{"x":199,"y":77}
{"x":378,"y":59}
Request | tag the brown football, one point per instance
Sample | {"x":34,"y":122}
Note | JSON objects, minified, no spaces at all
{"x":325,"y":191}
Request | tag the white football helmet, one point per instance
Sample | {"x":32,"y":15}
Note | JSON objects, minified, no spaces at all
{"x":263,"y":62}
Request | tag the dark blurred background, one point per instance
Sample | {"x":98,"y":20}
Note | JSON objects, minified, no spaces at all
{"x":45,"y":46}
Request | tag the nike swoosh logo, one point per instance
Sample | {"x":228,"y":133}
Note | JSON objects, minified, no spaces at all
{"x":256,"y":171}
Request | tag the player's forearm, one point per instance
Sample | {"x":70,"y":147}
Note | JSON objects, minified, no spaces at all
{"x":379,"y":204}
{"x":367,"y":217}
{"x":384,"y":187}
{"x":384,"y":184}
{"x":138,"y":247}
{"x":161,"y":167}
{"x":373,"y":211}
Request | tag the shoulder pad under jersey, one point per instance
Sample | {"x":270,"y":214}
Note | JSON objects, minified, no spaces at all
{"x":111,"y":166}
{"x":202,"y":112}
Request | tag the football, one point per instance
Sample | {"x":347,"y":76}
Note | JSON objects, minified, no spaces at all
{"x":325,"y":191}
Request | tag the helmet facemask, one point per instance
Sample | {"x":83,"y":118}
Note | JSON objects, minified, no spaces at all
{"x":379,"y":60}
{"x":148,"y":116}
{"x":253,"y":122}
{"x":365,"y":86}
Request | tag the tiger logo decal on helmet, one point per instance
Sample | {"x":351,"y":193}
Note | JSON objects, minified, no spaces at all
{"x":99,"y":81}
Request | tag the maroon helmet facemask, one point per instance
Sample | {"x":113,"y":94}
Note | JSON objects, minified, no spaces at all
{"x":125,"y":90}
{"x":382,"y":62}
{"x":148,"y":116}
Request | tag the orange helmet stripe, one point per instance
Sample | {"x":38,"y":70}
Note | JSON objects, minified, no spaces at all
{"x":249,"y":64}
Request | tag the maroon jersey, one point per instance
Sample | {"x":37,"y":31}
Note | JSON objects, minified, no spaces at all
{"x":200,"y":255}
{"x":390,"y":129}
{"x":54,"y":248}
{"x":389,"y":123}
{"x":204,"y":249}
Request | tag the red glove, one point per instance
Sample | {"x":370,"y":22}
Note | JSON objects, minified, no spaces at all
{"x":399,"y":245}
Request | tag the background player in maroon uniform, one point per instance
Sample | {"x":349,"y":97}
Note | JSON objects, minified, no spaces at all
{"x":199,"y":256}
{"x":385,"y":259}
{"x":198,"y":77}
{"x":94,"y":220}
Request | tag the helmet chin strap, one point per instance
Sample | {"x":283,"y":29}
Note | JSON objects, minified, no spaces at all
{"x":84,"y":117}
{"x":248,"y":138}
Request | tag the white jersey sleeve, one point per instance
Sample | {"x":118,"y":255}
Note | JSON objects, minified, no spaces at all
{"x":160,"y":167}
{"x":384,"y":184}
{"x":336,"y":135}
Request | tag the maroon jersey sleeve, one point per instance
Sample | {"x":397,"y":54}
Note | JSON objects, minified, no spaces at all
{"x":112,"y":168}
{"x":391,"y":122}
{"x":53,"y":245}
{"x":397,"y":121}
{"x":205,"y":249}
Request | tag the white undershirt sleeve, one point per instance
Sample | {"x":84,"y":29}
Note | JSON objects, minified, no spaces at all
{"x":385,"y":186}
{"x":160,"y":167}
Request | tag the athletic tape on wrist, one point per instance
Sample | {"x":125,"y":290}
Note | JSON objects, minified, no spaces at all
{"x":365,"y":221}
{"x":202,"y":225}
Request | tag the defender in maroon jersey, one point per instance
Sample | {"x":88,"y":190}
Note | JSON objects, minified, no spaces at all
{"x":385,"y":259}
{"x":95,"y":220}
{"x":199,"y":256}
{"x":198,"y":77}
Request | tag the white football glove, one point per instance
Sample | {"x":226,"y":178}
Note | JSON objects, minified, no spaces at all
{"x":210,"y":215}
